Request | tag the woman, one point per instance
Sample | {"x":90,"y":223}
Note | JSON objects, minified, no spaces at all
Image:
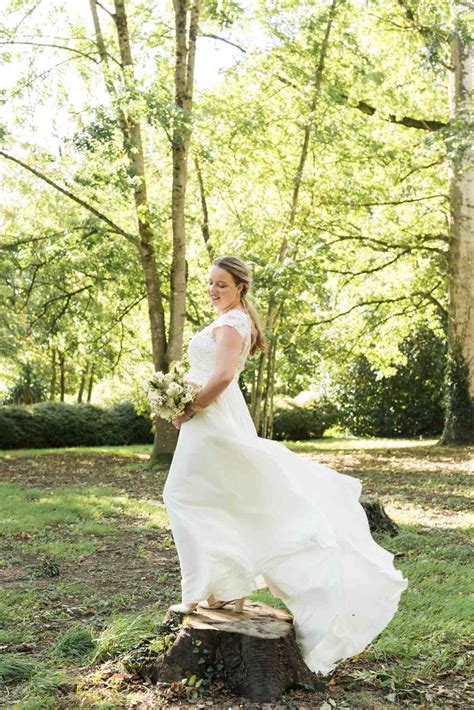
{"x":247,"y":513}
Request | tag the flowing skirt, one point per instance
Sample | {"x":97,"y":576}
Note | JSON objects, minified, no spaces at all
{"x":248,"y":513}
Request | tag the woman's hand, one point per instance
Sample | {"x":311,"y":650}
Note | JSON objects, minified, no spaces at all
{"x":180,"y":420}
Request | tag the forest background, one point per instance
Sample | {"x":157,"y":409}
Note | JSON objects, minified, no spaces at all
{"x":329,"y":144}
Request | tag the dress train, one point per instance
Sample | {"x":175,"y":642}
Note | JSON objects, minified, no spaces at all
{"x":248,"y":513}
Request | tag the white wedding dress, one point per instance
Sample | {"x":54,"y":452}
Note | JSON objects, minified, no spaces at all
{"x":248,"y":513}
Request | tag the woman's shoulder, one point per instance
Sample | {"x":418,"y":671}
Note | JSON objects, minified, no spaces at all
{"x":233,"y":313}
{"x":235,"y":317}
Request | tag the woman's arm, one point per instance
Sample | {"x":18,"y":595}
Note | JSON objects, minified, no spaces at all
{"x":228,"y":347}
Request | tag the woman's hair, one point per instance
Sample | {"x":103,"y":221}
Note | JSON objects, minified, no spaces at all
{"x":240,"y":273}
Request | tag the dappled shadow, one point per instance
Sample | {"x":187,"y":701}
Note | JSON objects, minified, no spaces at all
{"x":436,"y":478}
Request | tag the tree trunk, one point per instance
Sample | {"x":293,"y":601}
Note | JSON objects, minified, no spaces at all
{"x":254,"y":654}
{"x":273,"y":305}
{"x":62,"y":375}
{"x":205,"y":211}
{"x":82,"y":386}
{"x":459,"y":416}
{"x":90,"y":385}
{"x":52,"y":386}
{"x":166,"y":434}
{"x":272,"y":391}
{"x":182,"y":129}
{"x":266,"y":423}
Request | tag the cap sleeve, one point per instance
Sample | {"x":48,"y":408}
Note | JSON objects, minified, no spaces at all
{"x":236,"y":319}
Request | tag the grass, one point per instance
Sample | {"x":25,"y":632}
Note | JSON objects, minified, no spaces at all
{"x":25,"y":510}
{"x":133,"y":451}
{"x":332,"y":443}
{"x":125,"y":632}
{"x":15,"y":668}
{"x":143,"y":451}
{"x":75,"y":642}
{"x":98,"y":514}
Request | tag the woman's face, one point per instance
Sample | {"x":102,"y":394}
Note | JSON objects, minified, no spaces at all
{"x":222,"y":290}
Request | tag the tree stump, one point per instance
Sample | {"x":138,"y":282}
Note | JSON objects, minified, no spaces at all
{"x":254,"y":653}
{"x":378,"y":519}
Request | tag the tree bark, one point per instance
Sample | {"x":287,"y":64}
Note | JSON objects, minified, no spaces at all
{"x":52,"y":386}
{"x":182,"y":129}
{"x":254,"y":654}
{"x":205,"y":212}
{"x":82,"y":386}
{"x":90,"y":384}
{"x":62,"y":375}
{"x":459,"y":416}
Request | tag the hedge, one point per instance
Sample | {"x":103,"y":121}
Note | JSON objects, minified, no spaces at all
{"x":293,"y":422}
{"x":56,"y":424}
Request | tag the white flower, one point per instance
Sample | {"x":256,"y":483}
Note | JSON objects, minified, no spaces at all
{"x":169,"y":393}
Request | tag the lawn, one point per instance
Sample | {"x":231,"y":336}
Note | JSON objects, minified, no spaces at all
{"x":88,"y":568}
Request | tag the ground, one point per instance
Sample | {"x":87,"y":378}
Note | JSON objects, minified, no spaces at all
{"x":88,"y":569}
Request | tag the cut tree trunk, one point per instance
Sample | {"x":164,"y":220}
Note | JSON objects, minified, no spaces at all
{"x":254,"y":653}
{"x":378,"y":519}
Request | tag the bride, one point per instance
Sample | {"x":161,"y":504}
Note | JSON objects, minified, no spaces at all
{"x":247,"y":513}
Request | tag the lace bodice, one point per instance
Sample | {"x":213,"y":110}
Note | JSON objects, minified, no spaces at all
{"x":202,"y":346}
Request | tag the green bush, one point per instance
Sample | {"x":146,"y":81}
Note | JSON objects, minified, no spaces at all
{"x":57,"y":424}
{"x":125,"y":426}
{"x":292,"y":422}
{"x":17,"y":428}
{"x":405,"y":404}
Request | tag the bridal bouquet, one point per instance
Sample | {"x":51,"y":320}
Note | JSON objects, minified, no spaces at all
{"x":169,"y":393}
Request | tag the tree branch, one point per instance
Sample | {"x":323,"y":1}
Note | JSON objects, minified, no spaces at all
{"x":130,"y":237}
{"x":384,"y":246}
{"x":223,"y":39}
{"x":67,"y":296}
{"x":425,"y":124}
{"x":424,"y":294}
{"x":388,"y":202}
{"x":53,"y":46}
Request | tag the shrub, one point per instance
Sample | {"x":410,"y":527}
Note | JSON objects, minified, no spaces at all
{"x":16,"y":428}
{"x":64,"y":424}
{"x":57,"y":424}
{"x":408,"y":403}
{"x":293,"y":422}
{"x":125,"y":426}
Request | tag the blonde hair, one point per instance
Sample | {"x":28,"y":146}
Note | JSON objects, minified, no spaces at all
{"x":240,"y":273}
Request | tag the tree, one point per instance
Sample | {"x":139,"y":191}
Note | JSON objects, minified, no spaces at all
{"x":459,"y":422}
